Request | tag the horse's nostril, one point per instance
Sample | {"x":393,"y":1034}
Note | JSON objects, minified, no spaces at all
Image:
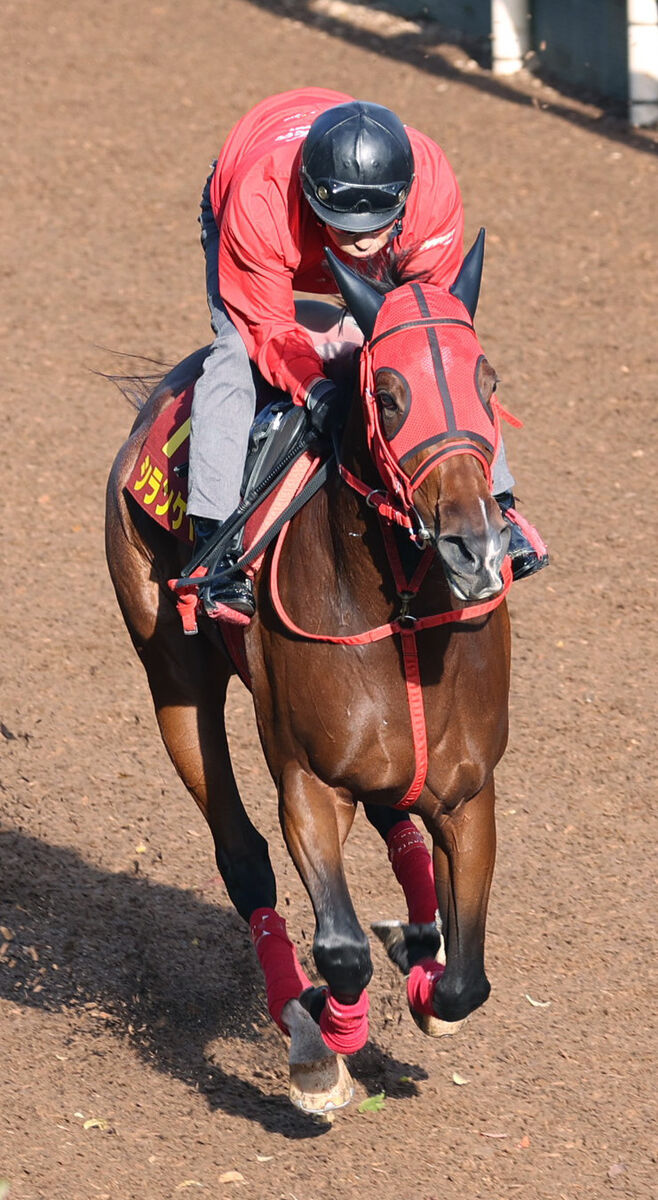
{"x":457,"y":552}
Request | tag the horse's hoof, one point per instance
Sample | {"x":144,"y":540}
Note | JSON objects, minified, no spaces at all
{"x":434,"y":1027}
{"x":320,"y":1082}
{"x":321,"y":1087}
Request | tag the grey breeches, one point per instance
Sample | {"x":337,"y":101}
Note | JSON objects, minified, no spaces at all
{"x":224,"y":399}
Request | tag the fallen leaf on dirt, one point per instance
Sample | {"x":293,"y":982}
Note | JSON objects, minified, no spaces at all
{"x":96,"y":1123}
{"x":264,"y":1157}
{"x":373,"y":1103}
{"x":492,"y":1135}
{"x":141,"y":849}
{"x":4,"y":1189}
{"x":615,"y":1170}
{"x":231,"y":1177}
{"x":405,"y":1079}
{"x":188,"y":1183}
{"x":524,"y":1143}
{"x":458,"y":1079}
{"x":537,"y":1003}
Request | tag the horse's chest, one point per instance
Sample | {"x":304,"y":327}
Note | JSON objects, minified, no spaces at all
{"x":363,"y":723}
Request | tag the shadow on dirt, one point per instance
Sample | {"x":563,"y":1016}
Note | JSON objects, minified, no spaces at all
{"x":422,"y":50}
{"x":154,"y":965}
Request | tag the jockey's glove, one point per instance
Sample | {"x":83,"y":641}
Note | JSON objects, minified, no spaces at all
{"x":323,"y":404}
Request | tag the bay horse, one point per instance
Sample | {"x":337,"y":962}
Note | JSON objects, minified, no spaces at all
{"x":357,"y":699}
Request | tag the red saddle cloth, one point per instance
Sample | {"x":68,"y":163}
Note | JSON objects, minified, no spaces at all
{"x":158,"y":483}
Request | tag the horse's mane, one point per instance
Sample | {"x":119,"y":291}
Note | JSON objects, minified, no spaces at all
{"x":386,"y":276}
{"x":393,"y":273}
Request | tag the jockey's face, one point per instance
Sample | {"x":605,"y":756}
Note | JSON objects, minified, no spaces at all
{"x":360,"y":245}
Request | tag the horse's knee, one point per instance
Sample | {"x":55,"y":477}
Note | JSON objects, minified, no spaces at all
{"x":343,"y":959}
{"x":249,"y":879}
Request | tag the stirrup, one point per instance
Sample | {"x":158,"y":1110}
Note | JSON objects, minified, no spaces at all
{"x":231,"y":600}
{"x":527,"y":550}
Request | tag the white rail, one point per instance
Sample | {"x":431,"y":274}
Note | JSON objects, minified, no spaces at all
{"x":510,"y":35}
{"x":643,"y":61}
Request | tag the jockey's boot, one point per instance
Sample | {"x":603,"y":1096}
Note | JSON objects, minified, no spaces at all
{"x":231,"y":599}
{"x":527,"y":551}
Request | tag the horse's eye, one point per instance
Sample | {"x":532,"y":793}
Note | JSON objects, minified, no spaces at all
{"x":387,"y":401}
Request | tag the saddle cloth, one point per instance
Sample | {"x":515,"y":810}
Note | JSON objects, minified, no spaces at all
{"x":158,"y":484}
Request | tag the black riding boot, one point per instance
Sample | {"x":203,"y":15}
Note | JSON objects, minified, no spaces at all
{"x":527,"y":551}
{"x":230,"y":599}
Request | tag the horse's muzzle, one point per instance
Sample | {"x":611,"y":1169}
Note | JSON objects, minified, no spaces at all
{"x":473,"y":562}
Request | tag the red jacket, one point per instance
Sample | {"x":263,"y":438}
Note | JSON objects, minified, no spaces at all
{"x":271,"y":243}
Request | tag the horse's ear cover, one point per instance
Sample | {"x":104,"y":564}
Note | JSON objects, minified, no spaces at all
{"x":363,"y":301}
{"x":467,"y":284}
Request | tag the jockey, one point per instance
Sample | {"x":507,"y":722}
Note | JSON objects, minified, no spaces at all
{"x":301,"y":169}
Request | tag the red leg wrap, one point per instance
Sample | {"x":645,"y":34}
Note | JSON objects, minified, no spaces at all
{"x":344,"y":1027}
{"x":422,"y":980}
{"x":412,"y":866}
{"x":284,"y":978}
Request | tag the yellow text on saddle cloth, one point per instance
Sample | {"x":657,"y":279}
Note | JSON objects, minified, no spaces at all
{"x":158,"y":481}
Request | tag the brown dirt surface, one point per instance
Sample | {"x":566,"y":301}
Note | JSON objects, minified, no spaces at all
{"x":129,"y":992}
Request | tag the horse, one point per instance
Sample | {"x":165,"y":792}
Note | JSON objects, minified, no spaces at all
{"x":357,"y":698}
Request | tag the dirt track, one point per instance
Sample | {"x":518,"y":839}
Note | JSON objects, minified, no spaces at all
{"x":129,"y":992}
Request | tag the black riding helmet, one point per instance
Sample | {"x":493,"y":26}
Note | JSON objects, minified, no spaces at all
{"x":357,"y":167}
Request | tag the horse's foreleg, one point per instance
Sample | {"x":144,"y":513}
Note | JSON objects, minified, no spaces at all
{"x":315,"y":822}
{"x":419,"y":941}
{"x":465,"y":848}
{"x":409,"y":858}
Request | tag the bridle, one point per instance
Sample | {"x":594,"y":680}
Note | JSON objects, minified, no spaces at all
{"x":395,"y":500}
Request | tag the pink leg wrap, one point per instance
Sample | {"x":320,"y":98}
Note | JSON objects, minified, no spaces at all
{"x":422,"y":980}
{"x":344,"y":1027}
{"x":412,"y":866}
{"x":284,"y":978}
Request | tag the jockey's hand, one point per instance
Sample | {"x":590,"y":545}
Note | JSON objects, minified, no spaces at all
{"x":323,"y":404}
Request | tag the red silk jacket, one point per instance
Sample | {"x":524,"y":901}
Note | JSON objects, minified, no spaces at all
{"x":271,"y":243}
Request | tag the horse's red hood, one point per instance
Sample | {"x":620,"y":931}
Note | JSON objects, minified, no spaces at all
{"x":426,"y":336}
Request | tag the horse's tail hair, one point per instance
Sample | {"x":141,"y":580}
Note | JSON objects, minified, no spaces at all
{"x":136,"y":388}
